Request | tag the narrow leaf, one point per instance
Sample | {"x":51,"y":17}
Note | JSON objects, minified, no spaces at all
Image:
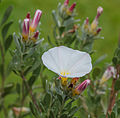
{"x":5,"y":29}
{"x":8,"y":42}
{"x":7,"y":14}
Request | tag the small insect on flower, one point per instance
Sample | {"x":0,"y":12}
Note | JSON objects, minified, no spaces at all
{"x":110,"y":72}
{"x":66,"y":62}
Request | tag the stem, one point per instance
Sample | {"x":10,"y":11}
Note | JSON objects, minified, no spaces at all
{"x":30,"y":92}
{"x":112,"y":98}
{"x":3,"y":77}
{"x":63,"y":103}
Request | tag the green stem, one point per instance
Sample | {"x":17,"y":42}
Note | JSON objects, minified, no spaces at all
{"x":3,"y":76}
{"x":30,"y":92}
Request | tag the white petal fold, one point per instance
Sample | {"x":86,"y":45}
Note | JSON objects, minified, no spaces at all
{"x":67,"y":62}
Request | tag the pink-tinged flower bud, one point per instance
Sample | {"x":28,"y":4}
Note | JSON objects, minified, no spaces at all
{"x":35,"y":20}
{"x":86,"y":24}
{"x":28,"y":15}
{"x":36,"y":35}
{"x":99,"y":12}
{"x":110,"y":72}
{"x":81,"y":87}
{"x":18,"y":110}
{"x":25,"y":31}
{"x":98,"y":30}
{"x":66,"y":2}
{"x":72,"y":7}
{"x":95,"y":22}
{"x":87,"y":21}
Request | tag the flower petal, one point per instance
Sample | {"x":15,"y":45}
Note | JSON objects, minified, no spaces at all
{"x":67,"y":62}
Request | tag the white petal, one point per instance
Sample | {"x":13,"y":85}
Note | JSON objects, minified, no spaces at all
{"x":67,"y":62}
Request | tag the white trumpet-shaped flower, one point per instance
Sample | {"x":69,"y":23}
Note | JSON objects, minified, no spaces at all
{"x":67,"y":62}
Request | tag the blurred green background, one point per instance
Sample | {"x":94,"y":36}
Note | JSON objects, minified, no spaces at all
{"x":109,"y":21}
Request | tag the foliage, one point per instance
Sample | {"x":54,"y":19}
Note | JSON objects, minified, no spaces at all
{"x":59,"y":98}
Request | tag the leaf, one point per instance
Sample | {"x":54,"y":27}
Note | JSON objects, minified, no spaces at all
{"x":115,"y":60}
{"x":5,"y":29}
{"x":47,"y":100}
{"x":99,"y":59}
{"x":6,"y":14}
{"x":63,"y":116}
{"x":8,"y":89}
{"x":96,"y":73}
{"x":17,"y":42}
{"x":18,"y":88}
{"x":41,"y":107}
{"x":8,"y":42}
{"x":34,"y":76}
{"x":102,"y":116}
{"x":113,"y":115}
{"x":117,"y":85}
{"x":57,"y":22}
{"x":73,"y":110}
{"x":51,"y":114}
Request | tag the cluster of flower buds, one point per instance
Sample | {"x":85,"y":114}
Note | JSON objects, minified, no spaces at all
{"x":93,"y":28}
{"x":29,"y":27}
{"x":65,"y":10}
{"x":76,"y":90}
{"x":109,"y":73}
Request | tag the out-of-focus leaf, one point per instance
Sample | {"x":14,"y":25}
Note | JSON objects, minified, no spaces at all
{"x":6,"y":14}
{"x":96,"y":73}
{"x":18,"y":88}
{"x":17,"y":42}
{"x":51,"y":114}
{"x":34,"y":76}
{"x":47,"y":100}
{"x":117,"y":85}
{"x":115,"y":60}
{"x":8,"y":89}
{"x":41,"y":107}
{"x":99,"y":60}
{"x":63,"y":116}
{"x":8,"y":42}
{"x":113,"y":115}
{"x":73,"y":110}
{"x":5,"y":29}
{"x":55,"y":18}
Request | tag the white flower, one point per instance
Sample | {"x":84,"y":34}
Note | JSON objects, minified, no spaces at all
{"x":67,"y":62}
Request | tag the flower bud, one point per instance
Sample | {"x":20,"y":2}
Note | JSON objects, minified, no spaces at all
{"x":95,"y":21}
{"x":35,"y":20}
{"x":28,"y":15}
{"x":87,"y":21}
{"x":25,"y":31}
{"x":66,"y":2}
{"x":98,"y":30}
{"x":36,"y":35}
{"x":81,"y":87}
{"x":18,"y":110}
{"x":94,"y":24}
{"x":110,"y":72}
{"x":72,"y":7}
{"x":64,"y":81}
{"x":99,"y":12}
{"x":86,"y":24}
